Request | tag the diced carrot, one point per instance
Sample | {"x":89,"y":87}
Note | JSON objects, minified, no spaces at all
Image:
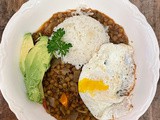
{"x":64,"y":100}
{"x":45,"y":104}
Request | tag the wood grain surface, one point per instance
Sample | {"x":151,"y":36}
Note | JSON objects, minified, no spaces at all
{"x":150,"y":8}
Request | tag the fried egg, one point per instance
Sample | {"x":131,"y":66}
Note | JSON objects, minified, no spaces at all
{"x":106,"y":82}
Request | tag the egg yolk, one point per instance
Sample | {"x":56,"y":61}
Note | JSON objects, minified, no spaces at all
{"x":89,"y":85}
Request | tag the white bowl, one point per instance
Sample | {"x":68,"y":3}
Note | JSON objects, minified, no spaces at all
{"x":35,"y":12}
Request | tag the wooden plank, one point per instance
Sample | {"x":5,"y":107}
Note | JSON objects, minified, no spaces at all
{"x":150,"y":8}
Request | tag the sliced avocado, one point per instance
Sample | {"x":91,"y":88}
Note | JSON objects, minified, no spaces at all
{"x":26,"y":46}
{"x":43,"y":40}
{"x":29,"y":59}
{"x":37,"y":63}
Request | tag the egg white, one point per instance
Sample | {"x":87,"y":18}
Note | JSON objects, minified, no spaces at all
{"x":114,"y":65}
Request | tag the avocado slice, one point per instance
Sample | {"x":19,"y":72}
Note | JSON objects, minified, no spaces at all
{"x":43,"y":41}
{"x":26,"y":46}
{"x":37,"y":63}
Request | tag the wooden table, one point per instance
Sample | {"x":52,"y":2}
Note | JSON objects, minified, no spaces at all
{"x":150,"y":8}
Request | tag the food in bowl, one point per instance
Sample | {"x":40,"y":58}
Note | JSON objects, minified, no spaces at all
{"x":80,"y":66}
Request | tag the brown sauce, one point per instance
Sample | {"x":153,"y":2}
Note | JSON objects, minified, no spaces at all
{"x":62,"y":78}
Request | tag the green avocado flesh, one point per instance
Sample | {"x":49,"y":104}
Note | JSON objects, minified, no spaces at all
{"x":36,"y":63}
{"x":26,"y":46}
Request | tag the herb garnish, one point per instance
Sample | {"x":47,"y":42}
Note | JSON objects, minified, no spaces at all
{"x":56,"y":45}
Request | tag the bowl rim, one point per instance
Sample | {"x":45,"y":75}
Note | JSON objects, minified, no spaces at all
{"x":29,"y":4}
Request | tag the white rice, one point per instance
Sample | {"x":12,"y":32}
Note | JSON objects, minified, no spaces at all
{"x":86,"y":36}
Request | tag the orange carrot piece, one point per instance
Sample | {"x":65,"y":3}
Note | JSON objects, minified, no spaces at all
{"x":64,"y":100}
{"x":45,"y":104}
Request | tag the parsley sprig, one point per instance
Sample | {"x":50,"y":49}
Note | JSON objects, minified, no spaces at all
{"x":56,"y":45}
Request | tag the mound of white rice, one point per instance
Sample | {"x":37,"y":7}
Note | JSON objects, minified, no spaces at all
{"x":86,"y":36}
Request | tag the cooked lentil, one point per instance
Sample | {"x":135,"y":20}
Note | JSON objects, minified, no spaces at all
{"x":63,"y":78}
{"x":56,"y":84}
